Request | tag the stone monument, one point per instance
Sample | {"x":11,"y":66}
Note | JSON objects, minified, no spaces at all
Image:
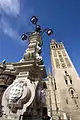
{"x":24,"y":96}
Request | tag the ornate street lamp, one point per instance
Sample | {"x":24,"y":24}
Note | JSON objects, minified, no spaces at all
{"x":38,"y":29}
{"x":34,"y":20}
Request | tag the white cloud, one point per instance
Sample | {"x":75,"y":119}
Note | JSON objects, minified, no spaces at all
{"x":10,"y":7}
{"x":7,"y":29}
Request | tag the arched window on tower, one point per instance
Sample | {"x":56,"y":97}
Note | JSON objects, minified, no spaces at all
{"x":74,"y":96}
{"x":67,"y":62}
{"x":64,"y":53}
{"x":66,"y":101}
{"x":57,"y":63}
{"x":65,"y":72}
{"x":73,"y":93}
{"x":59,"y":46}
{"x":55,"y":53}
{"x":68,"y":79}
{"x":54,"y":46}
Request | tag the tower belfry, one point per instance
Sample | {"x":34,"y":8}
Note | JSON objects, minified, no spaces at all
{"x":65,"y":85}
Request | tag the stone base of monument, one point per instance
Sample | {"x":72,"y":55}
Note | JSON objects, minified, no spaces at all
{"x":11,"y":117}
{"x":24,"y":99}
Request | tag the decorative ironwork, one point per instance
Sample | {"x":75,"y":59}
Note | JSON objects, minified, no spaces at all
{"x":38,"y":29}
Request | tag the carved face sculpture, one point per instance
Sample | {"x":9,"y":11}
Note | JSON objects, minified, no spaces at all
{"x":16,"y":92}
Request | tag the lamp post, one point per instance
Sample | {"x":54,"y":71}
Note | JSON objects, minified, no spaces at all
{"x":35,"y":42}
{"x":38,"y":29}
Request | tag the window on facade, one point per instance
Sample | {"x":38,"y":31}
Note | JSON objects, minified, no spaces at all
{"x":60,"y":55}
{"x":70,"y":81}
{"x":57,"y":63}
{"x":67,"y":62}
{"x":59,"y":45}
{"x":61,"y":59}
{"x":66,"y":81}
{"x":68,"y":78}
{"x":59,"y":52}
{"x":65,"y":72}
{"x":66,"y":101}
{"x":63,"y":65}
{"x":63,"y":52}
{"x":54,"y":46}
{"x":55,"y":54}
{"x":72,"y":93}
{"x":75,"y":101}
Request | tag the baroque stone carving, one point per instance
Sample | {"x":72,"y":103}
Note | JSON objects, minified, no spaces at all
{"x":16,"y":92}
{"x":18,"y":95}
{"x":5,"y":81}
{"x":33,"y":51}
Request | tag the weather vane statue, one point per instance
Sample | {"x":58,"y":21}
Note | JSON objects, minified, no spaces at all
{"x":24,"y":99}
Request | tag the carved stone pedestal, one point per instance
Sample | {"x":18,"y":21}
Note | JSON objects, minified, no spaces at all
{"x":6,"y":78}
{"x":24,"y":99}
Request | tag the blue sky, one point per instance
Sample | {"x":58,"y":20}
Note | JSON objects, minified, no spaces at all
{"x":61,"y":15}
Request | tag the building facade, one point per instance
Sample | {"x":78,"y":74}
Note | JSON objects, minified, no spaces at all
{"x":64,"y":88}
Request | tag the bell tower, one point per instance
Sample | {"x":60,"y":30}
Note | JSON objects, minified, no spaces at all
{"x":66,"y":84}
